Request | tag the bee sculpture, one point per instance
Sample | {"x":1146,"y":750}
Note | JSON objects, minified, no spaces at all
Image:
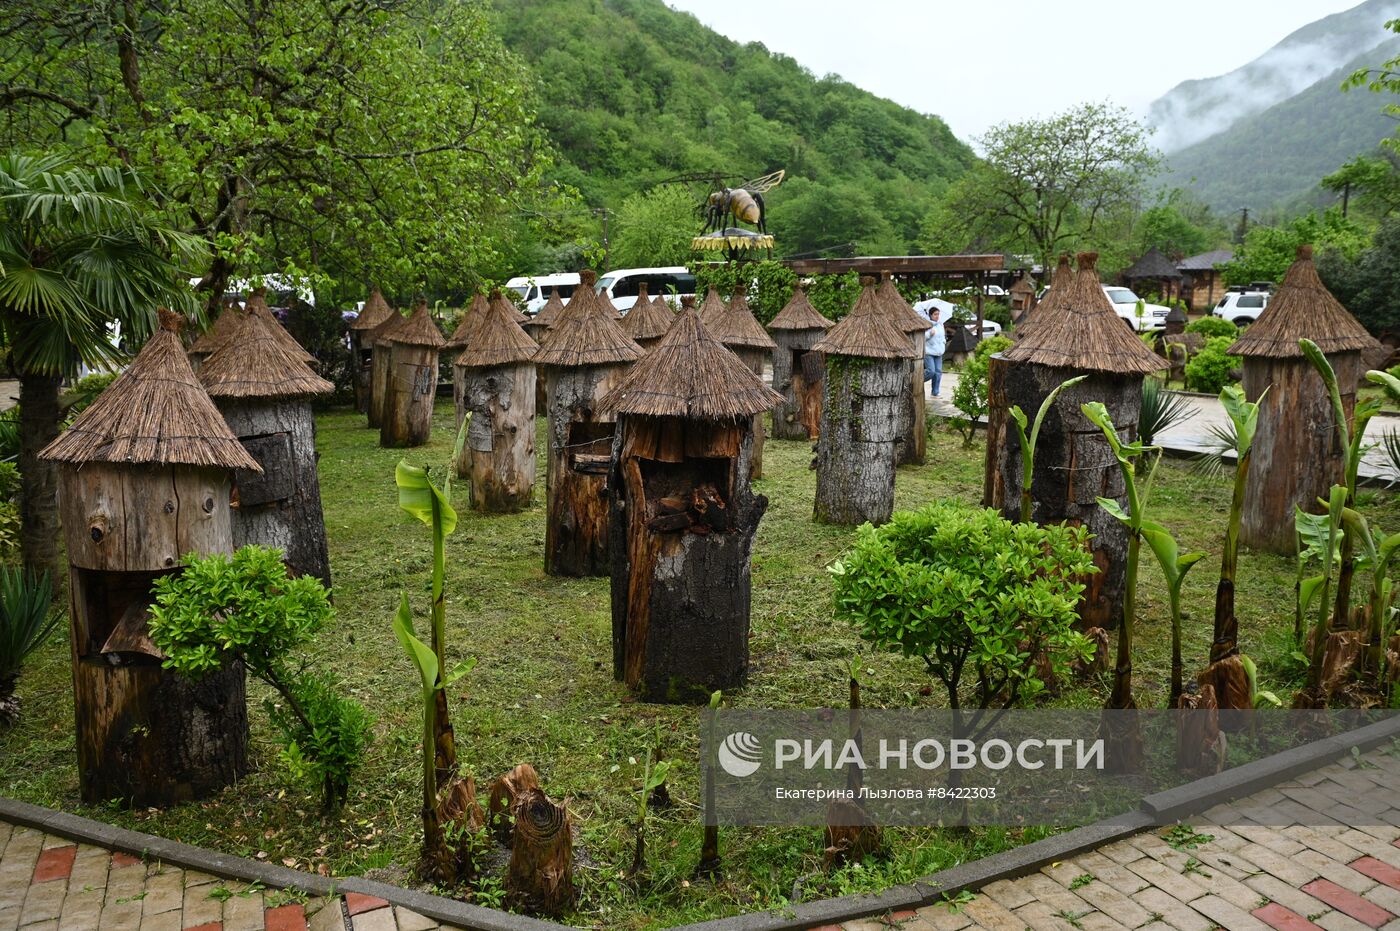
{"x":743,"y":203}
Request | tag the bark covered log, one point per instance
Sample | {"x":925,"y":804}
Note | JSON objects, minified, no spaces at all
{"x":798,"y":415}
{"x":912,"y":448}
{"x":506,"y":789}
{"x":378,"y":385}
{"x":1296,"y":456}
{"x":756,"y":360}
{"x":499,"y":454}
{"x":409,"y":393}
{"x":541,"y":874}
{"x":576,"y":527}
{"x":861,"y":405}
{"x":1074,"y":466}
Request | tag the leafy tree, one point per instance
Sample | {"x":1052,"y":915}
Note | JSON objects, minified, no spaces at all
{"x":1370,"y":182}
{"x":989,"y":605}
{"x":1267,"y":251}
{"x":377,"y":140}
{"x":769,"y":284}
{"x":654,"y":228}
{"x":1368,"y":286}
{"x":970,"y":396}
{"x":1046,"y":184}
{"x":80,"y":251}
{"x":1178,"y":226}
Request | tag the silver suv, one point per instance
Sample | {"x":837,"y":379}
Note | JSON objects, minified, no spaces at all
{"x":1242,"y":307}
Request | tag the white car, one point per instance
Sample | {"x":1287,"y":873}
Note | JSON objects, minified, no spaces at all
{"x":534,"y":290}
{"x":1241,"y":307}
{"x":620,"y":284}
{"x":945,"y":313}
{"x":1124,"y":301}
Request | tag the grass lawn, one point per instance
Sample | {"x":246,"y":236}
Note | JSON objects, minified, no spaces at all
{"x":543,"y":690}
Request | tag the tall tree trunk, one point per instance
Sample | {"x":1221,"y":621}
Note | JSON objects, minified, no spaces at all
{"x":38,"y":425}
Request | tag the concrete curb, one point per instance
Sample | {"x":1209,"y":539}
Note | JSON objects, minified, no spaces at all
{"x":1156,"y":810}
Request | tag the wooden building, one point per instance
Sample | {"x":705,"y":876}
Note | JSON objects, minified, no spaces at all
{"x":378,"y":341}
{"x":1074,"y":465}
{"x":683,"y":516}
{"x":1203,"y":284}
{"x":797,"y":369}
{"x":264,"y":393}
{"x":1022,"y":295}
{"x":375,"y":312}
{"x":1296,"y":456}
{"x":647,"y":321}
{"x":411,"y":382}
{"x":913,"y":420}
{"x":739,"y":331}
{"x":865,"y":391}
{"x":1156,"y":271}
{"x":496,"y":372}
{"x":143,"y":481}
{"x":583,"y":356}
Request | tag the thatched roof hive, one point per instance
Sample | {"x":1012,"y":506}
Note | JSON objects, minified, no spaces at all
{"x":418,"y":330}
{"x":901,"y":314}
{"x":254,"y":364}
{"x":475,"y":311}
{"x":154,"y":413}
{"x":690,"y":374}
{"x":712,"y":307}
{"x":211,"y":339}
{"x":496,"y":338}
{"x":1302,"y":308}
{"x":799,"y":314}
{"x":1084,"y":333}
{"x":375,"y":312}
{"x":647,"y":320}
{"x":1023,"y":285}
{"x":1061,"y":280}
{"x":585,"y":333}
{"x":257,"y":304}
{"x":551,"y":310}
{"x":736,"y":327}
{"x":866,"y":332}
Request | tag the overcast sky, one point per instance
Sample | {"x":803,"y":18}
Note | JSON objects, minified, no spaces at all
{"x":981,"y":63}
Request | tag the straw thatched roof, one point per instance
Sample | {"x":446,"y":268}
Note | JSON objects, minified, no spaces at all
{"x":375,"y":312}
{"x":904,"y":317}
{"x":418,"y":330}
{"x":1023,"y":285}
{"x":475,"y":311}
{"x":662,"y":304}
{"x":736,"y":326}
{"x":1083,"y":332}
{"x":712,"y":307}
{"x":154,"y":413}
{"x":257,"y":305}
{"x":799,"y":314}
{"x":585,"y":333}
{"x":1302,"y":308}
{"x":211,"y":339}
{"x":496,"y":339}
{"x":1060,"y":282}
{"x":1153,"y":264}
{"x":690,"y":374}
{"x":254,"y":364}
{"x":647,"y":320}
{"x":866,"y":332}
{"x":551,"y":310}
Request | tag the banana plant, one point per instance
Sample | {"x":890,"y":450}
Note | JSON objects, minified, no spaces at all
{"x":1175,"y":565}
{"x":1244,"y":416}
{"x":1379,"y":609}
{"x":432,"y":683}
{"x":653,"y":776}
{"x":421,"y":498}
{"x":1258,"y":698}
{"x":1331,"y":551}
{"x":1028,"y":441}
{"x":709,"y":847}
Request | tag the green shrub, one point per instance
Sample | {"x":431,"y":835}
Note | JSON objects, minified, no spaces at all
{"x":26,"y":621}
{"x":78,"y":398}
{"x":1212,"y":327}
{"x":9,"y":481}
{"x":1209,"y":369}
{"x":9,"y":434}
{"x":246,"y":606}
{"x":970,"y":396}
{"x":769,"y":284}
{"x":971,"y":594}
{"x":997,"y":312}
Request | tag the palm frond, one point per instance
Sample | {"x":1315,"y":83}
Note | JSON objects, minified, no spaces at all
{"x":26,"y":616}
{"x":1220,"y":451}
{"x":1390,"y":442}
{"x":1160,"y":410}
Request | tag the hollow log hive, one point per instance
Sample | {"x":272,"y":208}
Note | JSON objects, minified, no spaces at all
{"x":144,"y":479}
{"x":865,"y":391}
{"x":683,"y":516}
{"x":913,"y":419}
{"x":375,"y":312}
{"x":264,"y":393}
{"x":739,"y":331}
{"x":583,"y":356}
{"x":797,"y":369}
{"x":410,"y":384}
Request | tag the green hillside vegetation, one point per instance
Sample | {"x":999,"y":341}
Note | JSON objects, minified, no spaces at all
{"x":1275,"y":158}
{"x":633,"y":92}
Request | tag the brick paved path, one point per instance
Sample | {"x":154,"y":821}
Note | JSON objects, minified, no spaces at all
{"x":1344,"y":876}
{"x":48,"y":882}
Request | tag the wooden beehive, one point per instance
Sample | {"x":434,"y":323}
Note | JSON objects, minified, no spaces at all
{"x":797,"y":369}
{"x":375,"y":312}
{"x":410,"y":385}
{"x":739,"y":331}
{"x":913,"y":419}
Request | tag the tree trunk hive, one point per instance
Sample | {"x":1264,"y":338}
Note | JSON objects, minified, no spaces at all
{"x":410,"y":386}
{"x":739,"y":331}
{"x":496,"y":374}
{"x":535,"y":328}
{"x":145,"y":480}
{"x":1296,"y":457}
{"x":475,"y":311}
{"x":378,"y":342}
{"x":647,"y":321}
{"x":374,"y":313}
{"x":913,"y":421}
{"x":865,"y":390}
{"x":264,"y":393}
{"x":797,"y":369}
{"x":583,"y":357}
{"x":1076,"y":333}
{"x":214,"y":337}
{"x":683,"y":516}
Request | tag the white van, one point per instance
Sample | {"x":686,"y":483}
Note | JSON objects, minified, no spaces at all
{"x":534,"y":290}
{"x":620,"y":285}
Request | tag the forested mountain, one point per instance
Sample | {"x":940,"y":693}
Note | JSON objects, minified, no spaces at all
{"x":633,"y":93}
{"x":1196,"y":110}
{"x":1276,"y":157}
